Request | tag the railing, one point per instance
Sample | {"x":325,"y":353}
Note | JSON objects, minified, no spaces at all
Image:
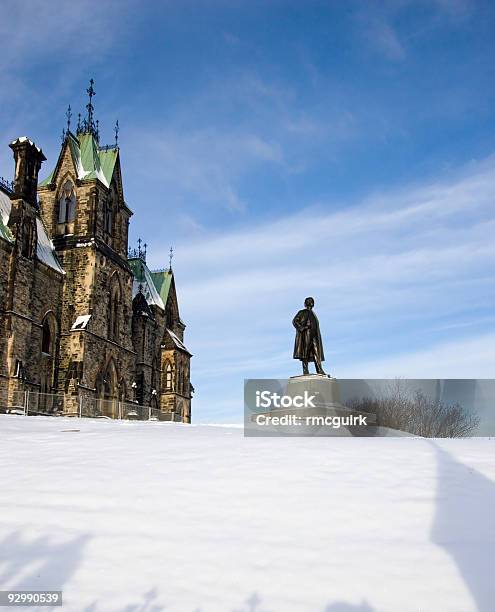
{"x":44,"y":403}
{"x":7,"y":185}
{"x":157,"y":415}
{"x":13,"y":402}
{"x":59,"y":404}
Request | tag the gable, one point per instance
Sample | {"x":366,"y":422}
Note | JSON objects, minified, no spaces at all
{"x":143,"y":282}
{"x":89,"y":161}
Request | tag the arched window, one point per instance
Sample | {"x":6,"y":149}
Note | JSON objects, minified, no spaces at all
{"x":27,"y":238}
{"x":115,"y":318}
{"x":67,"y":203}
{"x":46,"y":338}
{"x":110,"y":209}
{"x":108,"y":213}
{"x":168,"y":377}
{"x":114,"y":311}
{"x":169,"y":318}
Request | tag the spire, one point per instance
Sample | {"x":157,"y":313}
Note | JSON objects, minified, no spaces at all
{"x":91,"y":92}
{"x":88,"y":125}
{"x":170,"y":257}
{"x":140,"y":252}
{"x":68,"y":114}
{"x":117,"y":130}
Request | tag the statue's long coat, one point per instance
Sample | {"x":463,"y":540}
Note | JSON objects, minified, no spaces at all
{"x":305,"y":333}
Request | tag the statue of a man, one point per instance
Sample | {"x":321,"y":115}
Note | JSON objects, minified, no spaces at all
{"x":308,"y":345}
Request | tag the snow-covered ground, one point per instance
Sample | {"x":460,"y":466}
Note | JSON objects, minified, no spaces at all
{"x":130,"y":516}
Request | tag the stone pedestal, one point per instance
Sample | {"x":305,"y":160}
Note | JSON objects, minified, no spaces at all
{"x":324,"y":388}
{"x":323,"y":394}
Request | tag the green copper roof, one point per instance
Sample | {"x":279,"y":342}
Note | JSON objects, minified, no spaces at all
{"x":91,"y":161}
{"x":144,"y":282}
{"x":163,"y":281}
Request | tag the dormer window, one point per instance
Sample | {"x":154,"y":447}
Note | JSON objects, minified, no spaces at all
{"x":67,"y":204}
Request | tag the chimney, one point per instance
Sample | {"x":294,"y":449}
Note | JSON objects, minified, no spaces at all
{"x":28,"y":159}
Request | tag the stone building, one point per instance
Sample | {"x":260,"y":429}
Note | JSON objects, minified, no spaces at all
{"x":80,"y":314}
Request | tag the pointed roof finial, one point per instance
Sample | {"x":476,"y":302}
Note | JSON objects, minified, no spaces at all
{"x":68,"y":114}
{"x":88,"y":125}
{"x":170,"y":257}
{"x":117,"y":130}
{"x":91,"y":92}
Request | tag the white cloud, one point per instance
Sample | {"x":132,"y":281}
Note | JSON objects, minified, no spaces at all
{"x":386,"y":40}
{"x":388,"y":274}
{"x":204,"y":163}
{"x":466,"y":358}
{"x":31,"y":32}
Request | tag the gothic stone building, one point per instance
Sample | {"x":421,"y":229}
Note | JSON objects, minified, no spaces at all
{"x":79,"y":314}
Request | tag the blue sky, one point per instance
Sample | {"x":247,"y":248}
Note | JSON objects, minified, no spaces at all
{"x":339,"y":149}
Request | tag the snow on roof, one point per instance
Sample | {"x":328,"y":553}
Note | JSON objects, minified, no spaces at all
{"x":90,"y":161}
{"x":178,"y":343}
{"x":44,"y":247}
{"x":143,"y":281}
{"x":26,"y":139}
{"x":81,"y":322}
{"x":5,"y":205}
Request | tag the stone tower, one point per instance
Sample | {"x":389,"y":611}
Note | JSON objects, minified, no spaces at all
{"x":30,"y":282}
{"x":85,"y":320}
{"x":83,"y":206}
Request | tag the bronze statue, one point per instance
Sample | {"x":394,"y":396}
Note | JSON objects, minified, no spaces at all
{"x":308,"y":345}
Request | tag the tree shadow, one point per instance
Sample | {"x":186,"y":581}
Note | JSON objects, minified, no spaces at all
{"x":341,"y":606}
{"x":39,"y":563}
{"x":464,"y":524}
{"x":147,"y":604}
{"x":254,"y":603}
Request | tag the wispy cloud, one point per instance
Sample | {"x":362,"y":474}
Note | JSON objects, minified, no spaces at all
{"x":36,"y":31}
{"x":378,"y":24}
{"x":386,"y":274}
{"x":385,"y":39}
{"x":47,"y":47}
{"x":463,"y":358}
{"x":205,"y":164}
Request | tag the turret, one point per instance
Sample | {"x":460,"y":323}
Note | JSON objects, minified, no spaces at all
{"x":22,"y":220}
{"x":28,"y":159}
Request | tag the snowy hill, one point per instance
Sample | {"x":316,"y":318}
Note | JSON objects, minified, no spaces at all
{"x":150,"y":516}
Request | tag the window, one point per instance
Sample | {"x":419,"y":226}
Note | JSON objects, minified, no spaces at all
{"x":67,"y":204}
{"x":113,"y":312}
{"x":115,"y":318}
{"x":109,"y":210}
{"x":169,"y":319}
{"x":46,"y":338}
{"x":19,"y":369}
{"x":168,"y":377}
{"x":27,"y":238}
{"x":108,"y":214}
